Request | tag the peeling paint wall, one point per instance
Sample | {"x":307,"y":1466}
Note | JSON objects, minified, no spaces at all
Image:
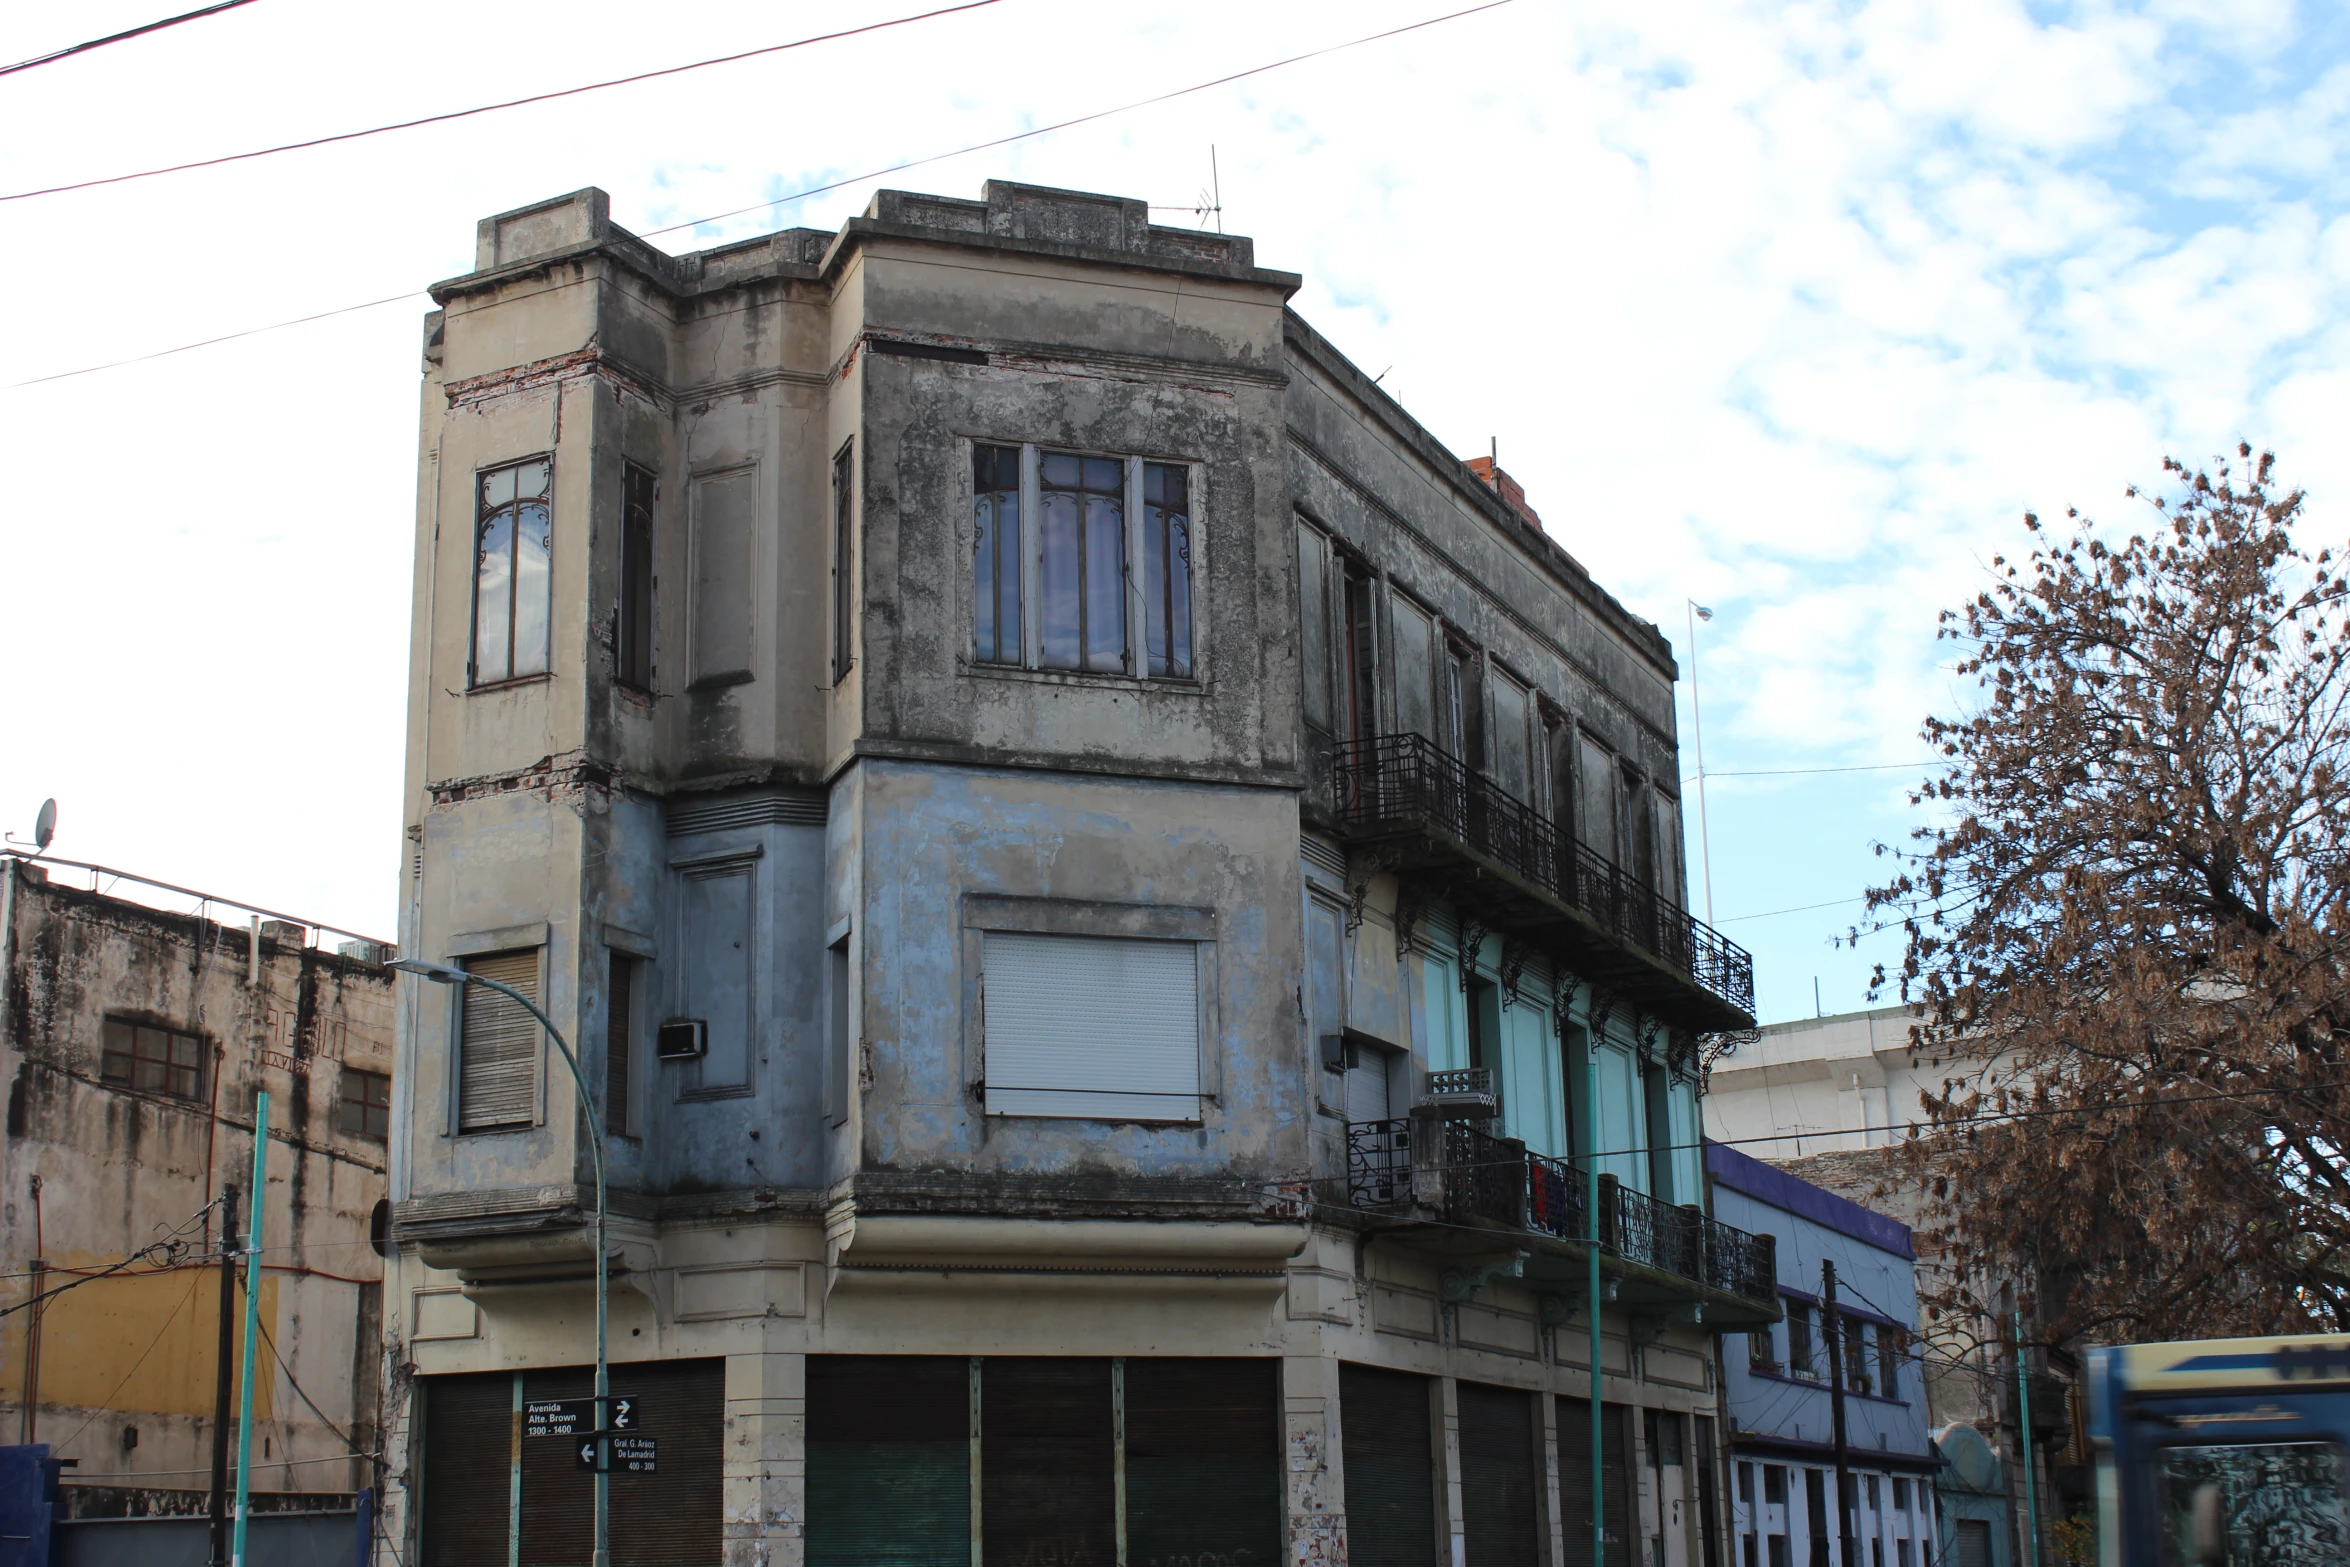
{"x":118,"y":1169}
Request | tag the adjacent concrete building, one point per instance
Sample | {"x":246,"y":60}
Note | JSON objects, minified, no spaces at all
{"x":135,"y":1042}
{"x":1090,"y":863}
{"x":1798,"y":1413}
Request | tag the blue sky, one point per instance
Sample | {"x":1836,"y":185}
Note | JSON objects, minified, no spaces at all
{"x":1789,"y":308}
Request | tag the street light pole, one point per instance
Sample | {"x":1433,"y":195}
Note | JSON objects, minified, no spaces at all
{"x":1705,"y":847}
{"x":444,"y":974}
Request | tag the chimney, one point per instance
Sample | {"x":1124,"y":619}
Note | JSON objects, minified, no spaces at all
{"x":1513,"y":494}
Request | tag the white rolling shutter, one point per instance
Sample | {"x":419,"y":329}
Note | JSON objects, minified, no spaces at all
{"x":497,"y":1082}
{"x":1085,"y":1026}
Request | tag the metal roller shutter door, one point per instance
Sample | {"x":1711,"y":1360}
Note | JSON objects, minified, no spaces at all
{"x":670,"y":1518}
{"x":1203,"y":1461}
{"x":1500,"y":1511}
{"x":1574,"y":1440}
{"x":889,"y":1461}
{"x":469,"y":1437}
{"x":1048,"y":1485}
{"x":1386,"y":1439}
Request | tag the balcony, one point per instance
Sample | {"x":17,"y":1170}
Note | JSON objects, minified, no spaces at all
{"x":1429,"y":815}
{"x":1458,"y":1189}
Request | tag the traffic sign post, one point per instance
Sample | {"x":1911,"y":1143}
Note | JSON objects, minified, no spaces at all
{"x":618,"y":1452}
{"x":558,"y":1416}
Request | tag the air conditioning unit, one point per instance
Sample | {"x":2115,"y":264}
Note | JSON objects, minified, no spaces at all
{"x":682,"y":1039}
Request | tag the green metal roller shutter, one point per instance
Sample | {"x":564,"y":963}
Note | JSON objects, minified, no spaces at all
{"x":1574,"y":1440}
{"x":1048,"y":1486}
{"x":1386,"y":1438}
{"x":1500,"y":1509}
{"x":1203,"y":1461}
{"x":469,"y":1437}
{"x":889,"y":1461}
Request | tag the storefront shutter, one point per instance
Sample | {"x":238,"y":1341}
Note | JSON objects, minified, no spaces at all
{"x":498,"y":1075}
{"x":889,"y":1461}
{"x":1498,"y":1488}
{"x":1203,"y":1461}
{"x":1048,"y":1462}
{"x":469,"y":1437}
{"x":670,"y":1518}
{"x":1574,"y":1443}
{"x":1390,"y":1462}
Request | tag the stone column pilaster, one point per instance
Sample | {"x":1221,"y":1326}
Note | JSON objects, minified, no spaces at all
{"x":1314,"y":1468}
{"x":765,"y":1470}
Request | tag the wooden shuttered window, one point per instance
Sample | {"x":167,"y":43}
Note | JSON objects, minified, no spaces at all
{"x":889,"y":1461}
{"x":1574,"y":1444}
{"x":1203,"y":1460}
{"x":1094,"y":1027}
{"x":619,"y":1036}
{"x":1500,"y":1509}
{"x":498,"y":1066}
{"x":1387,"y":1437}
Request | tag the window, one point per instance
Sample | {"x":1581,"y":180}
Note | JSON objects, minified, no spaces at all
{"x":632,"y":631}
{"x":513,"y":541}
{"x":1746,"y":1482}
{"x":1874,"y":1499}
{"x":1512,"y":766}
{"x":1595,"y":800}
{"x":844,"y":560}
{"x":1758,"y":1351}
{"x":1090,"y":1026}
{"x":1778,"y":1551}
{"x":152,"y":1060}
{"x":837,"y":979}
{"x":1360,"y":686}
{"x":1775,"y":1485}
{"x":995,"y":546}
{"x":1166,"y":569}
{"x":1901,"y":1493}
{"x":2280,"y":1503}
{"x":1074,"y":553}
{"x":1313,"y":627}
{"x":1904,"y":1554}
{"x":498,"y":1045}
{"x":1799,"y":1339}
{"x":619,"y":1042}
{"x":1856,"y":1355}
{"x":1415,"y":683}
{"x":1892,"y":1348}
{"x":367,"y":1103}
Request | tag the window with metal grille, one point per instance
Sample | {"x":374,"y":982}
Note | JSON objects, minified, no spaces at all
{"x":498,"y":1045}
{"x":632,"y":650}
{"x":367,"y":1102}
{"x":152,"y":1060}
{"x":1082,"y":562}
{"x":513,"y":544}
{"x":1090,"y":1026}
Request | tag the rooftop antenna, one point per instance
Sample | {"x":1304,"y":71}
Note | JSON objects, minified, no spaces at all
{"x":1211,"y":201}
{"x":44,"y":828}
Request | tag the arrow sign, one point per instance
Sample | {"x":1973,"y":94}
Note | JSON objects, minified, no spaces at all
{"x":587,"y":1453}
{"x":623,"y":1415}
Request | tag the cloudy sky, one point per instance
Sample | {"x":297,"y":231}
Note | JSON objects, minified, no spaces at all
{"x":1787,"y":308}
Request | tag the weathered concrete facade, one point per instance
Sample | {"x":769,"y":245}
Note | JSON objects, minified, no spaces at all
{"x":134,"y":1042}
{"x":1030,"y":762}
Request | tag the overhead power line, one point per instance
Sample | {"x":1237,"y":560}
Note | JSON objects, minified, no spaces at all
{"x":55,"y":55}
{"x":492,"y":108}
{"x":813,"y":190}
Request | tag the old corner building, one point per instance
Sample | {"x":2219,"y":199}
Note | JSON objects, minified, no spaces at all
{"x":1091,"y":865}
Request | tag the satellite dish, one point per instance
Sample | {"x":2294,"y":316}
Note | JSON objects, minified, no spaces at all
{"x":45,"y":825}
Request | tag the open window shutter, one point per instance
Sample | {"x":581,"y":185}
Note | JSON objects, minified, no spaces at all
{"x":1390,"y":1463}
{"x":498,"y":1074}
{"x":1498,"y":1503}
{"x":889,"y":1461}
{"x":1203,"y":1460}
{"x":1085,"y":1026}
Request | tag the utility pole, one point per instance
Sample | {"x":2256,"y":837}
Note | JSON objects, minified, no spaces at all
{"x":252,"y":1329}
{"x":2023,"y":1400}
{"x":1834,"y":1323}
{"x":224,"y":1379}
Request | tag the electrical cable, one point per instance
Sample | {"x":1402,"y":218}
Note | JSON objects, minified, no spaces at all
{"x":70,"y":50}
{"x":780,"y":201}
{"x":164,"y":1254}
{"x":492,"y":108}
{"x":172,"y":1317}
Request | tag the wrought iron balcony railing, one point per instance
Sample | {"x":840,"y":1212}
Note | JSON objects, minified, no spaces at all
{"x":1398,"y":784}
{"x":1463,"y":1173}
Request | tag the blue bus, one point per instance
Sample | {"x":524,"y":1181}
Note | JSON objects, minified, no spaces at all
{"x":2222,"y":1452}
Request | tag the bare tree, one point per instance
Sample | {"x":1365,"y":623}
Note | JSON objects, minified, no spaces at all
{"x":2133,"y":908}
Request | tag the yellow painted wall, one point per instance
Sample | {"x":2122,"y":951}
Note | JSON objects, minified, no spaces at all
{"x":136,"y":1342}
